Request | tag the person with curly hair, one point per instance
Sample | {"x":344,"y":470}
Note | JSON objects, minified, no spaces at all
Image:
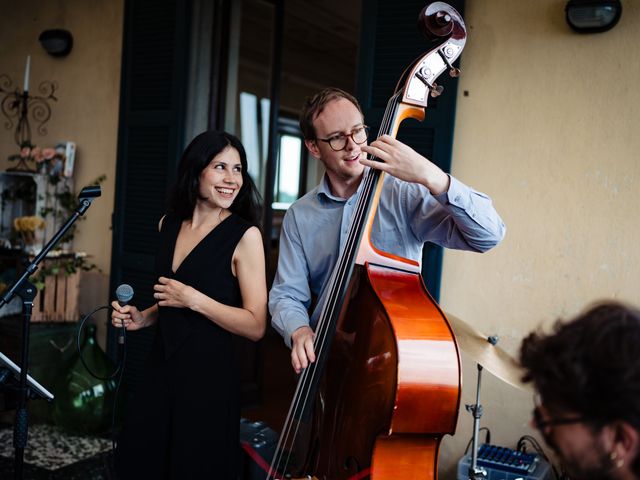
{"x":586,"y":374}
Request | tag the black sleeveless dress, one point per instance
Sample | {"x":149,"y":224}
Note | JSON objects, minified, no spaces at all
{"x":183,"y":422}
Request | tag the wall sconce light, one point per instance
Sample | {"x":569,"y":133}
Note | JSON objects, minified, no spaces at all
{"x":56,"y":42}
{"x":593,"y":16}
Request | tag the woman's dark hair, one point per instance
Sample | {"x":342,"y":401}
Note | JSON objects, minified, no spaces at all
{"x":196,"y":157}
{"x":589,"y":365}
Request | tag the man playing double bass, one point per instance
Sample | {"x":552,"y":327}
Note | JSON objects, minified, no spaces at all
{"x":419,"y":203}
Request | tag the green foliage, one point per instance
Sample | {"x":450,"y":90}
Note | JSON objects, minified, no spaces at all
{"x":62,"y":203}
{"x":67,"y":264}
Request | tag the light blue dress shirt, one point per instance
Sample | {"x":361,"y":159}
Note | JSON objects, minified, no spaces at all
{"x":316,"y":226}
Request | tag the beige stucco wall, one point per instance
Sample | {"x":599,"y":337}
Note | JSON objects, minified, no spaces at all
{"x":550,"y":130}
{"x":88,"y":95}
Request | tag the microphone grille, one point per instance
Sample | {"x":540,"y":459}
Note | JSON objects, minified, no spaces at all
{"x":124,"y":293}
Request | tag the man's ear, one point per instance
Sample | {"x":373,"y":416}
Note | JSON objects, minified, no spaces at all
{"x":312,"y":146}
{"x":626,"y":442}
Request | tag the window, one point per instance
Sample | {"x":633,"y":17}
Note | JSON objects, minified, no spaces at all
{"x":291,"y":162}
{"x":290,"y":182}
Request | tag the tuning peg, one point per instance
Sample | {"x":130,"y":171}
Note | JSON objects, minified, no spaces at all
{"x":436,"y":90}
{"x":454,"y":72}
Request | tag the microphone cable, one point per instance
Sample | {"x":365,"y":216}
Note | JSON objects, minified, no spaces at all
{"x":119,"y":371}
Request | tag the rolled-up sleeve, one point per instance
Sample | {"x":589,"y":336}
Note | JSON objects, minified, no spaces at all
{"x":460,"y":218}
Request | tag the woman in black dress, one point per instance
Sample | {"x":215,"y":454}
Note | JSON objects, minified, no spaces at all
{"x":183,"y":421}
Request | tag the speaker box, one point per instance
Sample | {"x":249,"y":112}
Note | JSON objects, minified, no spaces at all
{"x":258,"y":443}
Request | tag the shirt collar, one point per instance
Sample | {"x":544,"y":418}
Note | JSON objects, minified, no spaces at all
{"x":324,"y":190}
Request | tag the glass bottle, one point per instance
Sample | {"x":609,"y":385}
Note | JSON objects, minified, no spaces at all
{"x":83,"y":403}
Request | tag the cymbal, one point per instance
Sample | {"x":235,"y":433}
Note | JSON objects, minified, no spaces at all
{"x":485,"y":353}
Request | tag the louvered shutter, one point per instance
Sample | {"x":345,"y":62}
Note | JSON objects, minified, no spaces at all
{"x":149,"y":145}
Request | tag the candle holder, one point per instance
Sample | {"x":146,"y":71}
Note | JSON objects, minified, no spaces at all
{"x":17,"y":106}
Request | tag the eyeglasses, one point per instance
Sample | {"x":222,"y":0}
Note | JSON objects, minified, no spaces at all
{"x":339,"y":142}
{"x":542,"y":424}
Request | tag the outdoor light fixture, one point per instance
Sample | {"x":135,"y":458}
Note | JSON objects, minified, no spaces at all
{"x":56,"y":42}
{"x":593,"y":16}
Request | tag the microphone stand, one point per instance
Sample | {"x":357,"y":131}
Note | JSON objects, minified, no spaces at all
{"x":23,"y":288}
{"x":475,"y":472}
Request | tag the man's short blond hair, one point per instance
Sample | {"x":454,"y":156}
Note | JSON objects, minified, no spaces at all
{"x":313,"y":107}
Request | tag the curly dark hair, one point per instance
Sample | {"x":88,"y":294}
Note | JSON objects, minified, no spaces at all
{"x":313,"y":106}
{"x":186,"y":190}
{"x":589,"y":365}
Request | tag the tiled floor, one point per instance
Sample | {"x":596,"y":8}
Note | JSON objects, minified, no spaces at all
{"x":51,"y":448}
{"x":52,"y":454}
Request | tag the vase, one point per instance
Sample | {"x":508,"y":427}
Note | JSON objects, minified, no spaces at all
{"x":83,"y":403}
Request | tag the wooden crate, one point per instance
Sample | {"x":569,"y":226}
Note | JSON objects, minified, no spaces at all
{"x":58,"y":301}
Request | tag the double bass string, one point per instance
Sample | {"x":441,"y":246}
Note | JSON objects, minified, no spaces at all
{"x":346,"y":258}
{"x":355,"y":231}
{"x":327,"y":318}
{"x":304,"y":386}
{"x":339,"y":273}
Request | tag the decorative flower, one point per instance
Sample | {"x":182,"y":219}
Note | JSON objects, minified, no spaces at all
{"x":44,"y":154}
{"x":26,"y":227}
{"x":49,"y":153}
{"x":25,"y":152}
{"x":28,"y":224}
{"x":48,"y":160}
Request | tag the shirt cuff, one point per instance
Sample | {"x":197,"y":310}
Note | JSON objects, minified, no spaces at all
{"x":457,"y":194}
{"x":286,"y":326}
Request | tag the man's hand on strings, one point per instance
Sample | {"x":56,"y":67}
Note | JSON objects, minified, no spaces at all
{"x":302,"y":352}
{"x":404,"y":163}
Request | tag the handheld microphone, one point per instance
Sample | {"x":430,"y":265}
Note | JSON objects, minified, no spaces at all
{"x":124,"y":294}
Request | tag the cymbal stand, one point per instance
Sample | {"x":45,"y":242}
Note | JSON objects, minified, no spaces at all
{"x":475,"y":472}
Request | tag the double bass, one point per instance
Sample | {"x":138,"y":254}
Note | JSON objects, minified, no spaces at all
{"x":385,"y":387}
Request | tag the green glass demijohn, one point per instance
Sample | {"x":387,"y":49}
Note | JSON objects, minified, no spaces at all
{"x":83,"y":403}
